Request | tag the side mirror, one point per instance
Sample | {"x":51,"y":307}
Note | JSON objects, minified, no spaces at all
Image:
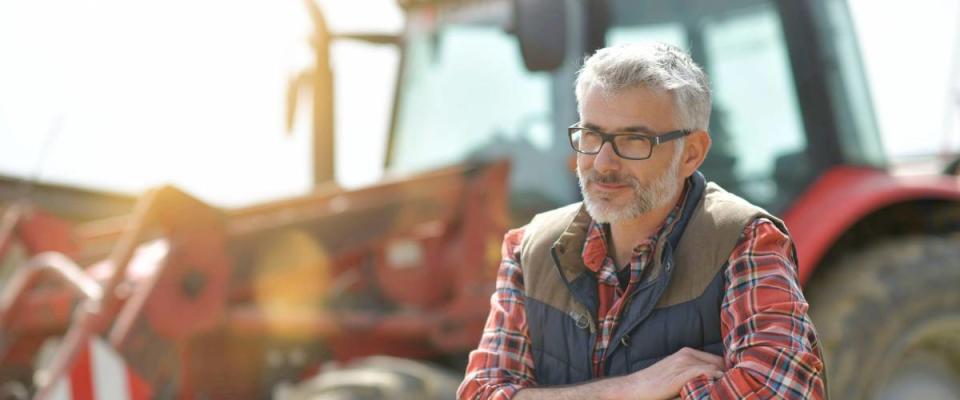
{"x":541,"y":29}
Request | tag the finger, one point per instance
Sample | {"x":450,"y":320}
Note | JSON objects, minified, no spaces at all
{"x":706,"y":370}
{"x":704,"y":377}
{"x":705,"y":357}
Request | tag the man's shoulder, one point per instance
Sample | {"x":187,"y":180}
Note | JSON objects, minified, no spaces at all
{"x":555,"y":221}
{"x":719,"y":227}
{"x":540,"y":234}
{"x":716,"y":197}
{"x":766,"y":225}
{"x":723,"y":208}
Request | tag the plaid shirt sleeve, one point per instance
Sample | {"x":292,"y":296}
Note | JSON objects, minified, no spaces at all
{"x":502,"y":364}
{"x":771,"y":349}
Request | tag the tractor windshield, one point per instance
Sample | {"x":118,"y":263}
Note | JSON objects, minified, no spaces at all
{"x":762,"y":147}
{"x":759,"y":142}
{"x":465,"y":94}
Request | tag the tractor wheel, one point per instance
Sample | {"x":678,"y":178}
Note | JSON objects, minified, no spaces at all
{"x":888,"y":318}
{"x":377,"y":378}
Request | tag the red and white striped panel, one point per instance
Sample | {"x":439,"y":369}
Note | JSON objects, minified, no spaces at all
{"x":99,"y":373}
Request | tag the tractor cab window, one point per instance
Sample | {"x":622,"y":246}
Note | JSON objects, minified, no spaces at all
{"x":759,"y":146}
{"x":464,"y":94}
{"x":454,"y":98}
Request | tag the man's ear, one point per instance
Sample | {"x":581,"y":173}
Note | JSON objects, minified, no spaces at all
{"x":696,"y":146}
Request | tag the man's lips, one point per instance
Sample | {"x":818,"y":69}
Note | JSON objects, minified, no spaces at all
{"x":609,"y":186}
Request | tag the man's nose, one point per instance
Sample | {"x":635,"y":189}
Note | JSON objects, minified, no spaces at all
{"x":607,"y":159}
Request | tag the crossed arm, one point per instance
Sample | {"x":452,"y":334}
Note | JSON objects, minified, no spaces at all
{"x":660,"y":381}
{"x":771,"y":349}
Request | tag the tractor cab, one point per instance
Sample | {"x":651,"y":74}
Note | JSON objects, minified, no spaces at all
{"x":477,"y":81}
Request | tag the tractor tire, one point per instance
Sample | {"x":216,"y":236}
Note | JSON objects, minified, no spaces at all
{"x":378,"y":378}
{"x":888,"y":318}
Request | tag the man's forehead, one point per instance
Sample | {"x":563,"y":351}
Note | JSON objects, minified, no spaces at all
{"x":634,"y":110}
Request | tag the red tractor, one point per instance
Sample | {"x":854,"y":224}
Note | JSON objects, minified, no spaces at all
{"x":292,"y":298}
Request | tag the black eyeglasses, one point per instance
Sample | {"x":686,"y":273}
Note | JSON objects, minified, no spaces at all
{"x":631,"y":146}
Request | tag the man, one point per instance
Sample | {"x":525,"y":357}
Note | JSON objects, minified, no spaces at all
{"x":659,"y":285}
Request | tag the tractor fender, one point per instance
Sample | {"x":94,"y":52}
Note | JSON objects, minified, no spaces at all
{"x":843,"y":196}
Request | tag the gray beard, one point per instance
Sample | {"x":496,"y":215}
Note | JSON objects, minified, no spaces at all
{"x":645,"y":197}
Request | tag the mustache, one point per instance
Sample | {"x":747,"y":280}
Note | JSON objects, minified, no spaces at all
{"x":610,"y":178}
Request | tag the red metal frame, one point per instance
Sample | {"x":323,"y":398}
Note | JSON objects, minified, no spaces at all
{"x":843,"y":196}
{"x":37,"y":230}
{"x":453,"y":216}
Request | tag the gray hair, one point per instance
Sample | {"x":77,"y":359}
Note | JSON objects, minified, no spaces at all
{"x":656,"y":66}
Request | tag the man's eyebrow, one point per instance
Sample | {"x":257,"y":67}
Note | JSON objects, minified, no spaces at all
{"x":629,"y":129}
{"x":638,"y":128}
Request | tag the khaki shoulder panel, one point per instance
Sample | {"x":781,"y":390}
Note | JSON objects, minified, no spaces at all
{"x":564,"y":228}
{"x":707,"y":242}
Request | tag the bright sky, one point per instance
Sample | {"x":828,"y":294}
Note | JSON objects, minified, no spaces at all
{"x":136,"y":93}
{"x":130,"y":94}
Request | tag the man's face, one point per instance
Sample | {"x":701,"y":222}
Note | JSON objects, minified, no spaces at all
{"x":614,"y":188}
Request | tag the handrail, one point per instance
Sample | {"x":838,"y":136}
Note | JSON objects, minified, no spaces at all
{"x":62,"y":267}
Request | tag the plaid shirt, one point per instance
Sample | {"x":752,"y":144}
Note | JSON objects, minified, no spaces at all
{"x":771,"y":349}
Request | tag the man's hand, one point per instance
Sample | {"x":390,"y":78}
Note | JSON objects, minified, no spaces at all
{"x":662,"y":380}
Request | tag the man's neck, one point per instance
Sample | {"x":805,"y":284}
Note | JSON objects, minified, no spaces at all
{"x":627,"y":234}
